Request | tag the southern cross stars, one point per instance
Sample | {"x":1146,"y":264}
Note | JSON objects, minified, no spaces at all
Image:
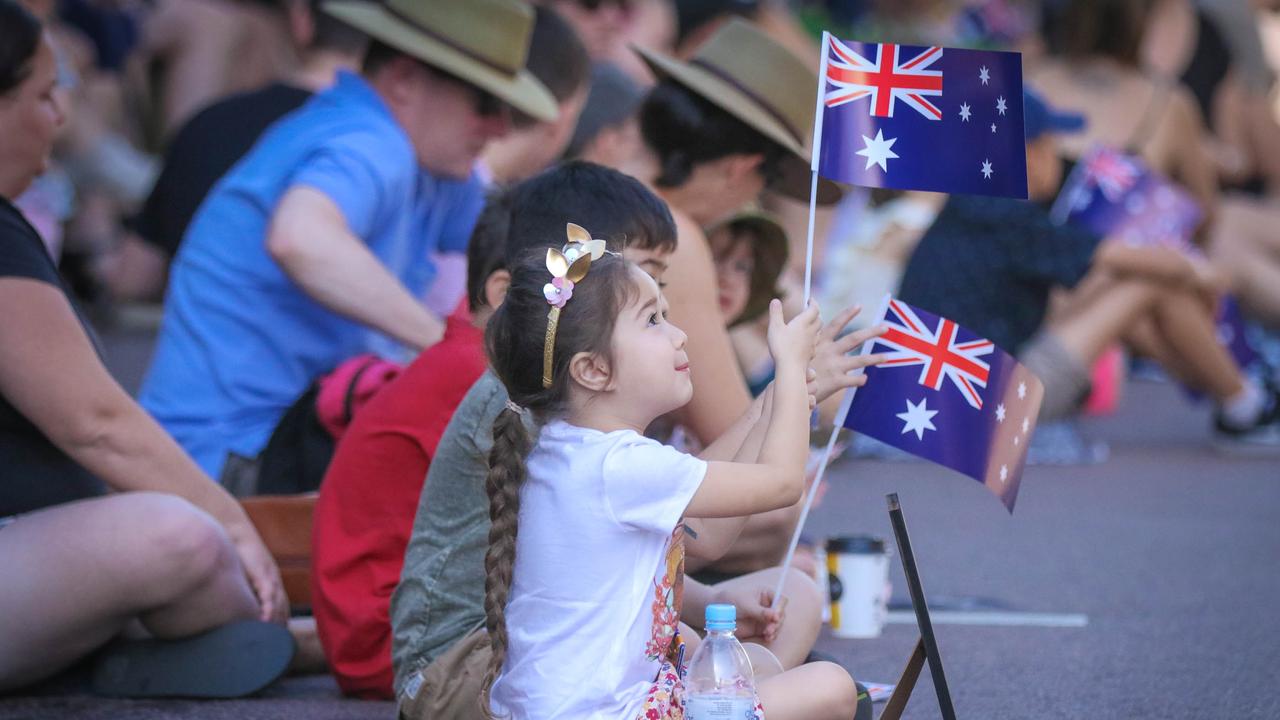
{"x":917,"y":418}
{"x":1004,"y":473}
{"x":986,"y":174}
{"x":964,"y":112}
{"x":1001,"y":106}
{"x":1022,"y":391}
{"x":984,"y":74}
{"x":1000,"y":412}
{"x":993,"y":127}
{"x":877,"y":151}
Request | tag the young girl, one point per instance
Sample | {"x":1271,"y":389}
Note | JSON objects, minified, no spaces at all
{"x":585,"y":555}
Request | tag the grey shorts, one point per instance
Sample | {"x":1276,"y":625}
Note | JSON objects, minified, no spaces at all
{"x":1067,"y":381}
{"x":240,"y":475}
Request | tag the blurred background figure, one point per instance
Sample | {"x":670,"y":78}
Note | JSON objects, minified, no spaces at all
{"x":608,"y":131}
{"x":206,"y":147}
{"x":1096,"y":66}
{"x":558,"y":58}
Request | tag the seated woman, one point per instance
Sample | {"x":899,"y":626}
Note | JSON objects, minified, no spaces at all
{"x":1192,"y":43}
{"x":167,"y":552}
{"x":1096,"y":67}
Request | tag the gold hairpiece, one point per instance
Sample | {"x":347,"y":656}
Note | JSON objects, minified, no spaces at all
{"x":568,"y":266}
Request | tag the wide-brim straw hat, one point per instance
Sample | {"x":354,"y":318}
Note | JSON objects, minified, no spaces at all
{"x":481,"y":42}
{"x":747,"y":74}
{"x":769,"y":249}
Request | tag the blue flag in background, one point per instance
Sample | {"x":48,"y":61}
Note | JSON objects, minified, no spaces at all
{"x":1117,"y":196}
{"x":949,"y":396}
{"x":922,"y":118}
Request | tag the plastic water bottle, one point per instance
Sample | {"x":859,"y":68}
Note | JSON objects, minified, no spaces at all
{"x":719,"y":682}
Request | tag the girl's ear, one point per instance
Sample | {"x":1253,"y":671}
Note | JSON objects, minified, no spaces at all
{"x":590,"y":371}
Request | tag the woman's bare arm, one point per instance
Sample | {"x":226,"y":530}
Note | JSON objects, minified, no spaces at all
{"x":50,"y":372}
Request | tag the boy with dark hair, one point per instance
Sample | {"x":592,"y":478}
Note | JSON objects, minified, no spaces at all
{"x":365,"y":510}
{"x":990,"y":264}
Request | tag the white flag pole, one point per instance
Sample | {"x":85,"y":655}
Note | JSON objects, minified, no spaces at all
{"x":841,"y":415}
{"x":813,"y":166}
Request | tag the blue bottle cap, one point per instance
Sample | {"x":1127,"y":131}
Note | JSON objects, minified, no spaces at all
{"x":722,"y":617}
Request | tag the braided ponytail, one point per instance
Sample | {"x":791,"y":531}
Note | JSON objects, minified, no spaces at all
{"x":511,"y":443}
{"x":515,"y":343}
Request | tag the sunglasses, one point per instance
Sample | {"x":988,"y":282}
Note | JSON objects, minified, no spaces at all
{"x":484,"y":103}
{"x":487,"y":104}
{"x":594,"y":5}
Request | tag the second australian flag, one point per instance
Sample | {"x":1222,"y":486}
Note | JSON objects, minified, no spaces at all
{"x":949,"y":396}
{"x":922,"y":118}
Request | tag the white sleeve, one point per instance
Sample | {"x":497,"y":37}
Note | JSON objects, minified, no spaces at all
{"x":648,"y":485}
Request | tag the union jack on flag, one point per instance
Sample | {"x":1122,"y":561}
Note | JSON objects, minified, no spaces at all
{"x":1117,"y":196}
{"x":980,"y":423}
{"x":1113,"y":173}
{"x":938,"y":351}
{"x":885,"y":80}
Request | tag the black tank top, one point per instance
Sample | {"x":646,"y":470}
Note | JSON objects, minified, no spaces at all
{"x":34,"y":473}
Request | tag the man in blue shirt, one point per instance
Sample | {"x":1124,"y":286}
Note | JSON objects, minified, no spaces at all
{"x":314,"y":247}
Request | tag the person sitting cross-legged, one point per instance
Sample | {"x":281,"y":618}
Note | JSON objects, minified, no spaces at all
{"x":990,"y":264}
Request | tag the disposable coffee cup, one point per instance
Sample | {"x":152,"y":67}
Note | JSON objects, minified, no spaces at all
{"x":858,"y":576}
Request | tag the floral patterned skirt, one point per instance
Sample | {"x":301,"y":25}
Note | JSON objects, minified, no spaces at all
{"x":665,"y":700}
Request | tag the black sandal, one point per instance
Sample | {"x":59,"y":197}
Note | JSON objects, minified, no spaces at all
{"x":231,"y":661}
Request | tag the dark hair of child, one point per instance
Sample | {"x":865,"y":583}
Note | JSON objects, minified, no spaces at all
{"x":514,"y":342}
{"x":615,"y":207}
{"x":684,"y":129}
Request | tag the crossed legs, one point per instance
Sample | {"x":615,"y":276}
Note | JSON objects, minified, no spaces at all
{"x":1246,"y":246}
{"x":79,"y":573}
{"x":1172,"y":325}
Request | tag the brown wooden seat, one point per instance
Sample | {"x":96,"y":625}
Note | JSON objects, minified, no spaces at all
{"x":284,"y":522}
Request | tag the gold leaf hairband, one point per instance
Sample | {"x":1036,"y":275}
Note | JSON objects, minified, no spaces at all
{"x":568,"y":266}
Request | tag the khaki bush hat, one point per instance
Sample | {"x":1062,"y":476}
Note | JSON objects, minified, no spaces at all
{"x":483,"y":42}
{"x":745,"y":73}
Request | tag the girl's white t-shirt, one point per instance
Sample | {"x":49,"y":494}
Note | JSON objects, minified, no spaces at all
{"x":595,"y":595}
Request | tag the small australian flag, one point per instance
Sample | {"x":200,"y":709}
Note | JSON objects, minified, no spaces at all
{"x":922,"y":118}
{"x":949,"y":396}
{"x":1117,"y":196}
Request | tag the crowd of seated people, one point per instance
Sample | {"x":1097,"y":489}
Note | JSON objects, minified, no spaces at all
{"x":342,"y":243}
